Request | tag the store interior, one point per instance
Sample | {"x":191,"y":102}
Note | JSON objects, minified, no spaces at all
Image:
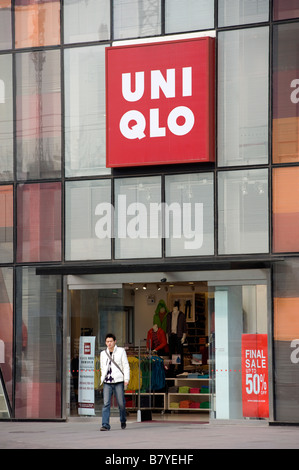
{"x":169,"y":371}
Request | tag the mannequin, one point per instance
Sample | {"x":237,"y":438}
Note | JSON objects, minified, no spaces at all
{"x":157,"y":341}
{"x":177,"y":332}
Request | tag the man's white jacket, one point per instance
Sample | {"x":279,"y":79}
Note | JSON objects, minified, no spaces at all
{"x":119,"y":355}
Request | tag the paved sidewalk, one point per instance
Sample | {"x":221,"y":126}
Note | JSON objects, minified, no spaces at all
{"x":84,"y":433}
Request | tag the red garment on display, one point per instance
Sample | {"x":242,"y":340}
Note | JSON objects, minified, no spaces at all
{"x":160,"y":340}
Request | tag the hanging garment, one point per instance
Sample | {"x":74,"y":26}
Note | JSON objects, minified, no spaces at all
{"x":134,"y":373}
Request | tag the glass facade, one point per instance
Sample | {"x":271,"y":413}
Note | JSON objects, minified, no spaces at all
{"x":6,"y":223}
{"x":88,"y":219}
{"x":38,"y":345}
{"x":85,"y":130}
{"x":243,"y":89}
{"x":285,"y":93}
{"x":38,"y":114}
{"x":61,"y":208}
{"x":237,"y":12}
{"x":6,"y":118}
{"x":243,"y":211}
{"x":37,"y":23}
{"x":188,"y":15}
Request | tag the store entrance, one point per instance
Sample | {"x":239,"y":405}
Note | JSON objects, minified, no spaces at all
{"x":179,"y":380}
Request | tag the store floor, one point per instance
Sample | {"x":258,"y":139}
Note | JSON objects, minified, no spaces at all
{"x":84,"y":433}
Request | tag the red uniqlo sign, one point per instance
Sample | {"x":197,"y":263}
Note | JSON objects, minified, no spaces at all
{"x":160,"y":103}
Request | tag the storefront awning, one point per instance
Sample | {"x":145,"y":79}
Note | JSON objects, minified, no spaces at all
{"x":250,"y":262}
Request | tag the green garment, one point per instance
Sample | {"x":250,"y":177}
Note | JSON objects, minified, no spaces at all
{"x":156,"y":320}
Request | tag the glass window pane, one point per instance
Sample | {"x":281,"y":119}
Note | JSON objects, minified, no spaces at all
{"x":38,"y":111}
{"x":189,"y":211}
{"x":286,"y":93}
{"x":6,"y":224}
{"x":243,"y":211}
{"x":243,"y":97}
{"x":286,"y":209}
{"x":6,"y":118}
{"x":188,"y":15}
{"x":284,"y":9}
{"x":5,"y":24}
{"x":136,"y":18}
{"x":235,"y":12}
{"x":6,"y":328}
{"x":285,"y":330}
{"x":37,"y":23}
{"x":87,"y":207}
{"x":137,"y":218}
{"x":38,"y":346}
{"x":86,"y":21}
{"x":85,"y":114}
{"x":39,"y":222}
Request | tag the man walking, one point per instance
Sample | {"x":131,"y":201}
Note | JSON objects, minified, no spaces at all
{"x":115,"y":376}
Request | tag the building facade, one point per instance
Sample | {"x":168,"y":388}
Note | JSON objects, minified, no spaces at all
{"x":149,"y":153}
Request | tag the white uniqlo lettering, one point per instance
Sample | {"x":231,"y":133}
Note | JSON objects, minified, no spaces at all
{"x":133,"y":123}
{"x":167,"y":86}
{"x":127,"y":92}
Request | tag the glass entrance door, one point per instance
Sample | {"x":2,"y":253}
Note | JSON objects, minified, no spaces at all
{"x":238,"y":323}
{"x":93,"y":313}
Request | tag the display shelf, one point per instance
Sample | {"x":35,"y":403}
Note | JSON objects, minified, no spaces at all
{"x":195,"y":401}
{"x":156,"y":401}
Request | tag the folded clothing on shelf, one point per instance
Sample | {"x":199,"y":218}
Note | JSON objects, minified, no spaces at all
{"x":184,"y":389}
{"x":174,"y":405}
{"x":205,"y":404}
{"x":185,"y":404}
{"x":194,"y":390}
{"x":194,"y":404}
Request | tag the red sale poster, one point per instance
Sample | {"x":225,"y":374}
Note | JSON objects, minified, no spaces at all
{"x":255,"y":384}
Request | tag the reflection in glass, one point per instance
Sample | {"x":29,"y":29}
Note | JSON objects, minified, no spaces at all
{"x":190,"y":202}
{"x":235,"y":12}
{"x":188,"y":15}
{"x":6,"y":336}
{"x":39,"y":222}
{"x":87,"y":233}
{"x":243,"y":97}
{"x":286,"y":93}
{"x":38,"y":112}
{"x":85,"y":115}
{"x":243,"y":211}
{"x":137,"y":222}
{"x":86,"y":21}
{"x":286,"y":209}
{"x":285,"y":9}
{"x":6,"y":224}
{"x":285,"y":333}
{"x":136,"y":18}
{"x":39,"y":343}
{"x":37,"y":23}
{"x":6,"y":118}
{"x":5,"y":24}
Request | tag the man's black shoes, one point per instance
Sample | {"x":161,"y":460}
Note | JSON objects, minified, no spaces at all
{"x":123,"y":425}
{"x":103,"y":428}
